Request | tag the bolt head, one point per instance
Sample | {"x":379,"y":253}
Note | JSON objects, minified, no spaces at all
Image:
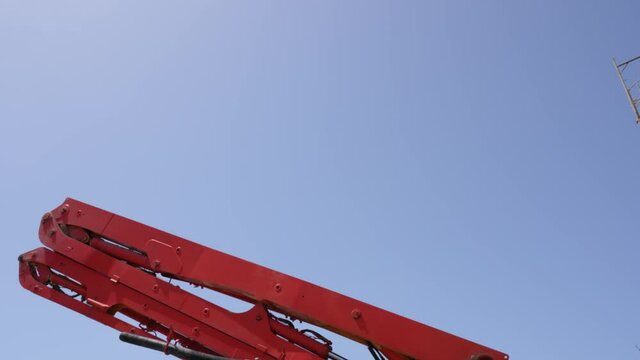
{"x":356,"y":314}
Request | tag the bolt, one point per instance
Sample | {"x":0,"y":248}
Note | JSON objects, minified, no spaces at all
{"x":64,"y":208}
{"x":156,"y":288}
{"x":356,"y":314}
{"x":51,"y":232}
{"x":178,"y":250}
{"x":278,"y":287}
{"x":78,"y":213}
{"x":37,"y":288}
{"x":156,"y":264}
{"x":258,"y":317}
{"x":205,"y":311}
{"x":196,"y":330}
{"x":146,"y":306}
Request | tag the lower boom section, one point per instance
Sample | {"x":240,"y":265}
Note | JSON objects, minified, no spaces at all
{"x":212,"y":330}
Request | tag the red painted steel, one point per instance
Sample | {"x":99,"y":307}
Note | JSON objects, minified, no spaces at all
{"x":115,"y":265}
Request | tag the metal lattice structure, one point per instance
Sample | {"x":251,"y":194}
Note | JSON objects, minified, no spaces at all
{"x":630,"y":78}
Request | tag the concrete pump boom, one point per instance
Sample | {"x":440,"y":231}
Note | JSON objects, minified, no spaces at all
{"x":101,"y":264}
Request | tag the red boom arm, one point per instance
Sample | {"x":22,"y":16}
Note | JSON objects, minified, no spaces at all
{"x":101,"y":264}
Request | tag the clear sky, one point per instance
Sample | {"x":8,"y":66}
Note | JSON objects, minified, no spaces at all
{"x":471,"y":165}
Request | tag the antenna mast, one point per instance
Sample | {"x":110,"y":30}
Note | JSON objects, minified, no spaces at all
{"x":633,"y":90}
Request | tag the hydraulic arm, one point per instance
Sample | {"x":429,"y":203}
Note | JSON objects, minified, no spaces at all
{"x":101,"y":265}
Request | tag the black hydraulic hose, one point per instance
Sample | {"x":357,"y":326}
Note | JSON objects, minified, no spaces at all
{"x":173,"y":349}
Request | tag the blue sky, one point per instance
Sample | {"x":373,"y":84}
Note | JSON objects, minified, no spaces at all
{"x":471,"y":165}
